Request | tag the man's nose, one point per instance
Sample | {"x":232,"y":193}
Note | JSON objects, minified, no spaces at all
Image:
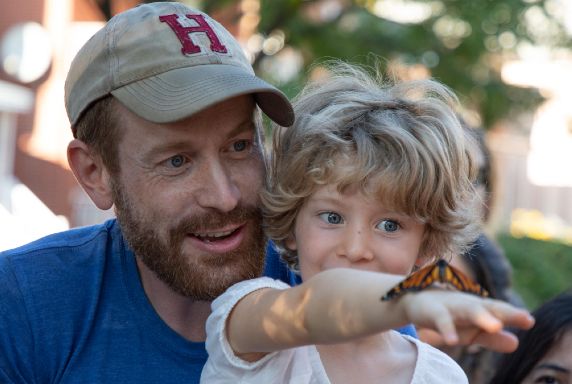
{"x":355,"y":245}
{"x":217,"y":189}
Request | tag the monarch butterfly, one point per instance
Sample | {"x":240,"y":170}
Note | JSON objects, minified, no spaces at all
{"x":440,"y":272}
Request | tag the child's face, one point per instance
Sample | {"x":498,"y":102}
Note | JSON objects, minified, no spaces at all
{"x":351,"y":230}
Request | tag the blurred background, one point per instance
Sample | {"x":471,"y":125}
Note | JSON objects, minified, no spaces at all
{"x":509,"y":61}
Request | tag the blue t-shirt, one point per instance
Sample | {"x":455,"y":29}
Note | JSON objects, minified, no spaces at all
{"x":72,"y":309}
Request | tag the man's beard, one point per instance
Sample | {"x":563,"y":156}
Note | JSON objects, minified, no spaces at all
{"x":201,"y":276}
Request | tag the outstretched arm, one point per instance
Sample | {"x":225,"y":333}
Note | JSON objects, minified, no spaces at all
{"x":339,"y":305}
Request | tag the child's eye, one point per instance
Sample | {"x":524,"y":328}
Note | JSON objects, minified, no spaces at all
{"x":331,"y":218}
{"x":388,"y":225}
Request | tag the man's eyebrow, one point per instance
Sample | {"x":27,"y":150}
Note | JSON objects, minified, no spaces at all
{"x":246,"y":125}
{"x":165,"y":148}
{"x":553,"y":367}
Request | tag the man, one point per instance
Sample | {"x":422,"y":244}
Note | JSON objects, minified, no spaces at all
{"x":163,"y":107}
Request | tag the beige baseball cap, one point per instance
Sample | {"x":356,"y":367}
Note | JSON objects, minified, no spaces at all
{"x":165,"y":61}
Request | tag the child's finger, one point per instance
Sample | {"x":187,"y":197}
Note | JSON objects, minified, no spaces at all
{"x":503,"y":341}
{"x":430,"y":336}
{"x":492,"y":315}
{"x":445,"y":325}
{"x":511,"y":316}
{"x":486,"y":320}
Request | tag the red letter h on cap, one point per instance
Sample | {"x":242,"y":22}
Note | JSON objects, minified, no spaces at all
{"x":184,"y":33}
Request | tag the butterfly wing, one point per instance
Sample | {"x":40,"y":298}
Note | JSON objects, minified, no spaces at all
{"x":416,"y":281}
{"x":440,"y":272}
{"x":462,"y":282}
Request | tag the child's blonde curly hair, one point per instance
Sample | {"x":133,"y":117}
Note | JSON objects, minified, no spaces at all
{"x":400,"y":143}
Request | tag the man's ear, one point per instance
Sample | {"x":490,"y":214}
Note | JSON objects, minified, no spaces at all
{"x":90,"y":173}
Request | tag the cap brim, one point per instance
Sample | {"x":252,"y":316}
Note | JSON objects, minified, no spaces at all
{"x":182,"y":92}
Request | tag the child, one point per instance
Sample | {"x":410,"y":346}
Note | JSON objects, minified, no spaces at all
{"x":369,"y":183}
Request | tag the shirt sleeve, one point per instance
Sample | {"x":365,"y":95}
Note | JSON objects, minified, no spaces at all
{"x":435,"y":367}
{"x":223,"y":366}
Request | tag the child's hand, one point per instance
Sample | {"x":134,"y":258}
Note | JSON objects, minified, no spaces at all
{"x":464,"y":319}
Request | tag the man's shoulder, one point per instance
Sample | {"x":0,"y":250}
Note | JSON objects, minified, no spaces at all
{"x":61,"y":273}
{"x":276,"y":268}
{"x":60,"y":258}
{"x":67,"y":241}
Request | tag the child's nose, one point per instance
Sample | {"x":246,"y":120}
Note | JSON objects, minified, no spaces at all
{"x":356,"y":246}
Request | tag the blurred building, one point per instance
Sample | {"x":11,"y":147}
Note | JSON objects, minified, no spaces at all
{"x":38,"y":193}
{"x":534,"y":175}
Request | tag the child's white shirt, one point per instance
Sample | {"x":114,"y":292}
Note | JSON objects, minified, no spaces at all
{"x":300,"y":365}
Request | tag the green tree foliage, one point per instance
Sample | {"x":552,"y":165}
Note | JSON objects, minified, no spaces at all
{"x":541,"y":269}
{"x":463,"y":43}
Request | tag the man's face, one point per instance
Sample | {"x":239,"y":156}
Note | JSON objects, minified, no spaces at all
{"x":187,"y":197}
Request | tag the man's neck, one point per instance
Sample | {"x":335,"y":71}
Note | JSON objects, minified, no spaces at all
{"x":185,"y":316}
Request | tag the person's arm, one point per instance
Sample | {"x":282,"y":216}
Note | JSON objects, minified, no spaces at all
{"x":339,"y":305}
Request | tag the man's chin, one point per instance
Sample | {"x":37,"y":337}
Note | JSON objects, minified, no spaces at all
{"x":206,"y":283}
{"x":204,"y":276}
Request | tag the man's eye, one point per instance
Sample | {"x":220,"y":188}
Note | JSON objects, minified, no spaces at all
{"x":177,"y":161}
{"x":240,"y":145}
{"x":331,"y":218}
{"x":388,"y":225}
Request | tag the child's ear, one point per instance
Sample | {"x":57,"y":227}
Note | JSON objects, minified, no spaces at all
{"x":290,"y":242}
